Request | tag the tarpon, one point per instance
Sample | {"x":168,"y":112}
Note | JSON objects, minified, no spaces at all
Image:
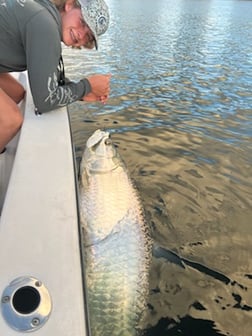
{"x":117,"y":244}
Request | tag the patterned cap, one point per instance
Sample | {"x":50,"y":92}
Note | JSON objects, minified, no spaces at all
{"x":96,"y":15}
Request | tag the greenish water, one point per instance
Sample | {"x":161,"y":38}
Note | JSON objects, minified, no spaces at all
{"x":180,"y":112}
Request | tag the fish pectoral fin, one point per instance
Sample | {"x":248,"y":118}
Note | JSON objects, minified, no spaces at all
{"x":208,"y":271}
{"x":160,"y":252}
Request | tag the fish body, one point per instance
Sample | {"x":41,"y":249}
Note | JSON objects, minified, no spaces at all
{"x":117,"y":245}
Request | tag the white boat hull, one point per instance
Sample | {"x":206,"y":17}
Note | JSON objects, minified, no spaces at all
{"x":39,"y":232}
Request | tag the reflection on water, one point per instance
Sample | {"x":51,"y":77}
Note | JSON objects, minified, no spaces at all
{"x":181,"y":114}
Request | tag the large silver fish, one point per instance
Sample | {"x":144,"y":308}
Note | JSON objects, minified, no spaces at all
{"x":117,"y":250}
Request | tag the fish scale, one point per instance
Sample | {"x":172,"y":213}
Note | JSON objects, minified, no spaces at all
{"x":117,"y":243}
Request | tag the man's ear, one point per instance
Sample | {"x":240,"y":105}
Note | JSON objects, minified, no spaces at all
{"x":69,"y":4}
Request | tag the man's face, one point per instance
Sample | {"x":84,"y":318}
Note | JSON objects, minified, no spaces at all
{"x":75,"y":32}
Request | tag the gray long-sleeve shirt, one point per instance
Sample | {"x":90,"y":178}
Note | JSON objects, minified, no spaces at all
{"x":30,"y":39}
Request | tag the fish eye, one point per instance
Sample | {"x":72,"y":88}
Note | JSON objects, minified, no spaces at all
{"x":108,"y":141}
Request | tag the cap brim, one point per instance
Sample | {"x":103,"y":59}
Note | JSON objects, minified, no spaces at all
{"x":91,"y":27}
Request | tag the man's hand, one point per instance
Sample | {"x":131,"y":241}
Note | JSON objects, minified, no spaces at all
{"x":100,"y":88}
{"x":90,"y":97}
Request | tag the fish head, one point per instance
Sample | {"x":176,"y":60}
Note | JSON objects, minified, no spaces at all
{"x":100,"y":154}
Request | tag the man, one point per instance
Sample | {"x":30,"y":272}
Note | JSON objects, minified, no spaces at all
{"x":31,"y":32}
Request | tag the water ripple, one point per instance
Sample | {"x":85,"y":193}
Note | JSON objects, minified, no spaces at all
{"x":180,"y":113}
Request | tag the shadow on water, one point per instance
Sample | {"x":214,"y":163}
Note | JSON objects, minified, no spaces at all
{"x":192,"y":325}
{"x":187,"y":326}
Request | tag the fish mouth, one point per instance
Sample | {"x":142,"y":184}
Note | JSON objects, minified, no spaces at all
{"x":97,"y":137}
{"x":100,"y":155}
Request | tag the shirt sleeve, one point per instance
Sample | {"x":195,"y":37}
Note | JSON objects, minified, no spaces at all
{"x":42,"y":43}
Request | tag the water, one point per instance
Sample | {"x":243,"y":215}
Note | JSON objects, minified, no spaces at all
{"x":181,"y":114}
